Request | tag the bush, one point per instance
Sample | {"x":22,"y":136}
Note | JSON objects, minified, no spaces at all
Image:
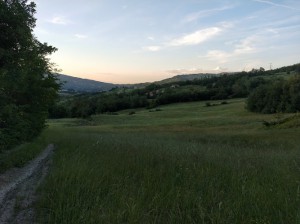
{"x":277,"y":96}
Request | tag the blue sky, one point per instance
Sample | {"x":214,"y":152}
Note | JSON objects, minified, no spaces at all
{"x":131,"y":41}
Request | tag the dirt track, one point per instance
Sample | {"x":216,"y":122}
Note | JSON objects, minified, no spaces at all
{"x":18,"y":189}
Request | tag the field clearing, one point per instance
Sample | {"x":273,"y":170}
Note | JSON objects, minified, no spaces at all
{"x":185,"y":163}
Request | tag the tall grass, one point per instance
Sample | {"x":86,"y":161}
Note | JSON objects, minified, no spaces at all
{"x":169,"y":171}
{"x":21,"y":154}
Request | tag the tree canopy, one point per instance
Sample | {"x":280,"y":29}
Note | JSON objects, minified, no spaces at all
{"x":27,"y":85}
{"x":276,"y":97}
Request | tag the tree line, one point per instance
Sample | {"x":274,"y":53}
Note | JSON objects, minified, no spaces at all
{"x":27,"y":85}
{"x":276,"y":97}
{"x":227,"y":86}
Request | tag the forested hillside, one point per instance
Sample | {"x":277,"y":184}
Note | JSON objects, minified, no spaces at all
{"x":222,"y":87}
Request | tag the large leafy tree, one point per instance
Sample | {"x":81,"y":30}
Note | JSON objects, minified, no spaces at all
{"x":276,"y":96}
{"x":27,"y":85}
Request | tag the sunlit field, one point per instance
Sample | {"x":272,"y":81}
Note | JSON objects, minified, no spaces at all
{"x":181,"y":163}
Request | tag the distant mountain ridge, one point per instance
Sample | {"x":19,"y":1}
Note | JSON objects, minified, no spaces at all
{"x":74,"y":84}
{"x":80,"y":85}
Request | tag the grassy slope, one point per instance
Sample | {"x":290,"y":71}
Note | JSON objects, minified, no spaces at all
{"x":185,"y":164}
{"x":21,"y":154}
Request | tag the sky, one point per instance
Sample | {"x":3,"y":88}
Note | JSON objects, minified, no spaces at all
{"x":134,"y":41}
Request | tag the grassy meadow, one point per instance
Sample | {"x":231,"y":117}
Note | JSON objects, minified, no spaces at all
{"x":183,"y":163}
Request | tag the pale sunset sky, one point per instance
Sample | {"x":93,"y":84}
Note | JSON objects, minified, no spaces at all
{"x":133,"y":41}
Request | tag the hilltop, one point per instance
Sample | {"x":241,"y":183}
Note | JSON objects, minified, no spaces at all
{"x":79,"y":85}
{"x":74,"y":84}
{"x":181,"y":88}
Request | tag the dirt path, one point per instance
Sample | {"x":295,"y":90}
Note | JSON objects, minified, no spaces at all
{"x":18,"y":187}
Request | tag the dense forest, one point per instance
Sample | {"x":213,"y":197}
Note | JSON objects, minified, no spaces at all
{"x":276,"y":96}
{"x":27,"y":85}
{"x":275,"y":89}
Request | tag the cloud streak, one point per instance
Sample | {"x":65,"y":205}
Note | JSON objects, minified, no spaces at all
{"x":81,"y":36}
{"x":275,"y":4}
{"x":59,"y":20}
{"x":194,"y":38}
{"x":152,"y":48}
{"x":245,"y":46}
{"x":204,"y":13}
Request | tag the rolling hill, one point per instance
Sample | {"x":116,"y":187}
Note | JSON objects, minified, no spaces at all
{"x":79,"y":85}
{"x":74,"y":84}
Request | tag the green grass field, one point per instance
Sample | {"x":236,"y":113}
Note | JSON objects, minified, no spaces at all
{"x":187,"y":163}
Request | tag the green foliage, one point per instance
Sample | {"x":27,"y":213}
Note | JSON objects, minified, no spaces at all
{"x":27,"y":86}
{"x":20,"y":155}
{"x":290,"y":68}
{"x":57,"y":111}
{"x":276,"y":96}
{"x":283,"y":122}
{"x":297,"y":69}
{"x":226,"y":86}
{"x":153,"y":95}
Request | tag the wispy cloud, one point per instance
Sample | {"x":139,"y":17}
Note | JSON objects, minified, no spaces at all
{"x":81,"y":36}
{"x":275,"y":4}
{"x":204,"y":13}
{"x":245,"y":46}
{"x":220,"y":56}
{"x":152,"y":48}
{"x":273,"y":31}
{"x":196,"y":37}
{"x":60,"y":20}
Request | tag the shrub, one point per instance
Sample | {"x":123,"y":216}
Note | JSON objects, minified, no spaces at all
{"x":277,"y":96}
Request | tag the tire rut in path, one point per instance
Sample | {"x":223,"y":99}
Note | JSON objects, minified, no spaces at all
{"x":18,"y":189}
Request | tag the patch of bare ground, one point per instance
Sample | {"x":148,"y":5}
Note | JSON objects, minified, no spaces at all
{"x":18,"y":189}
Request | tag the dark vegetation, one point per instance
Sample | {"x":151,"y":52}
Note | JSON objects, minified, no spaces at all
{"x":270,"y":92}
{"x":27,"y":86}
{"x":283,"y":122}
{"x":276,"y":96}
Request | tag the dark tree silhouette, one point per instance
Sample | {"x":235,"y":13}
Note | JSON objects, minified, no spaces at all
{"x":27,"y":85}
